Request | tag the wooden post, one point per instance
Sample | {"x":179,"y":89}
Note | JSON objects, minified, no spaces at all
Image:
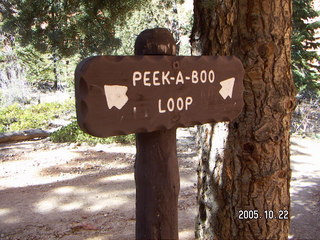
{"x":130,"y":100}
{"x":156,"y":167}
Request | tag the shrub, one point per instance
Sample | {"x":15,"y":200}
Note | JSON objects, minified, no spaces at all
{"x":73,"y":133}
{"x":16,"y":117}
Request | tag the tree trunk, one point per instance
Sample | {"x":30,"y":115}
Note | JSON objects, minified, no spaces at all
{"x":245,"y":164}
{"x":55,"y":72}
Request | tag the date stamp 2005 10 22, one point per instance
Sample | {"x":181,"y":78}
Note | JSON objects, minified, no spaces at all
{"x":267,"y":214}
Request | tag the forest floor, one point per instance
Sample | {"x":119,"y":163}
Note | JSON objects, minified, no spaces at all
{"x":305,"y":189}
{"x":79,"y":192}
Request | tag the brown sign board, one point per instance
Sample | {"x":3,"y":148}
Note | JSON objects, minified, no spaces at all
{"x":119,"y":95}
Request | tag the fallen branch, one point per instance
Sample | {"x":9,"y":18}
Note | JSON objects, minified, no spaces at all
{"x":23,"y":135}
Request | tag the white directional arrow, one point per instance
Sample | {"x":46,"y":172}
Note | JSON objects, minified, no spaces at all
{"x":227,"y":88}
{"x":116,"y":95}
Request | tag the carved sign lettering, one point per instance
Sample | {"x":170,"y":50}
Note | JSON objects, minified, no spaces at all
{"x":122,"y":95}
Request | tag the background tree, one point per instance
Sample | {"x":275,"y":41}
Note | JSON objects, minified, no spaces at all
{"x":156,"y":13}
{"x":245,"y":164}
{"x":12,"y":75}
{"x":23,"y":66}
{"x":305,"y":58}
{"x":65,"y":28}
{"x":50,"y":32}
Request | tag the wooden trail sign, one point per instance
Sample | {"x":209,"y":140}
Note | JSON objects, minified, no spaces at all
{"x":119,"y":95}
{"x":151,"y":94}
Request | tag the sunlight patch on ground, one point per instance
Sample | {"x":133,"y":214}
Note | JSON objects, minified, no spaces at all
{"x":297,"y":186}
{"x":47,"y":205}
{"x":70,"y":206}
{"x":305,"y":205}
{"x":4,"y":212}
{"x":302,"y":184}
{"x":119,"y":165}
{"x":186,"y":234}
{"x":11,"y":220}
{"x":105,"y":236}
{"x":118,"y":178}
{"x":187,"y":181}
{"x":64,"y":190}
{"x":27,"y":173}
{"x":305,"y":155}
{"x":71,"y":198}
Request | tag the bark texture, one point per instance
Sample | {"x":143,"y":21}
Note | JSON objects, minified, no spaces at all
{"x":245,"y":164}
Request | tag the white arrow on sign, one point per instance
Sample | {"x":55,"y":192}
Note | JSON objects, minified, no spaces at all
{"x":227,"y":88}
{"x":116,"y":95}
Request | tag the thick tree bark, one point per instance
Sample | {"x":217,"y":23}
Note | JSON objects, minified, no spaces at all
{"x":245,"y":164}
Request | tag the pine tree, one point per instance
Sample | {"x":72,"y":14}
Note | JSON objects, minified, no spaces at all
{"x":305,"y":59}
{"x":156,"y":13}
{"x":64,"y":28}
{"x":67,"y":27}
{"x":245,"y":165}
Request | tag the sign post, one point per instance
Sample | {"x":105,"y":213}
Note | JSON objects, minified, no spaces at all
{"x":156,"y":167}
{"x":151,"y":94}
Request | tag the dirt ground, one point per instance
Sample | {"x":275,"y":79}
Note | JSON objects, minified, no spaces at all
{"x":305,"y":189}
{"x":70,"y":192}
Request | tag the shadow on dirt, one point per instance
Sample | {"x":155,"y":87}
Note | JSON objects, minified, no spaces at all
{"x":96,"y":199}
{"x":305,"y":209}
{"x":305,"y":190}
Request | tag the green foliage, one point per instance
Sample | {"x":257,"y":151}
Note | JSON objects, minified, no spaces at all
{"x":67,"y":27}
{"x":72,"y":133}
{"x":38,"y":66}
{"x":47,"y":38}
{"x":16,"y":117}
{"x":41,"y":70}
{"x":155,"y":13}
{"x":305,"y":59}
{"x":26,"y":65}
